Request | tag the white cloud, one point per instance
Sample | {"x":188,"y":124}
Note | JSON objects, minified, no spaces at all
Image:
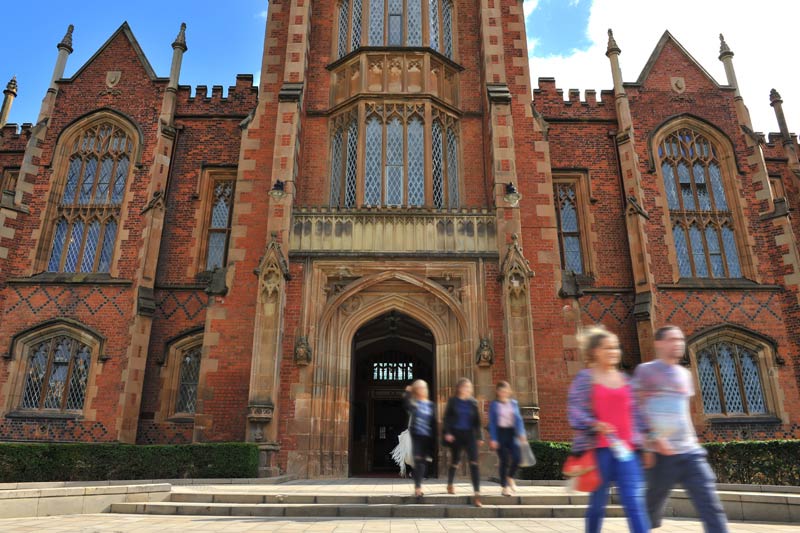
{"x":262,"y":14}
{"x":763,"y":40}
{"x":528,"y":6}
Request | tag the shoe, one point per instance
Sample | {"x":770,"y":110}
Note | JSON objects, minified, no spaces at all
{"x":506,"y":491}
{"x":451,"y":489}
{"x":512,"y":484}
{"x":476,"y":500}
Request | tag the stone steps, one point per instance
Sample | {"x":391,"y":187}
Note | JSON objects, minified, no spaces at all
{"x":453,"y":509}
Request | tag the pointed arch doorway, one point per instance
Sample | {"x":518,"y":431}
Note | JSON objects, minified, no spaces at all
{"x":389,"y":352}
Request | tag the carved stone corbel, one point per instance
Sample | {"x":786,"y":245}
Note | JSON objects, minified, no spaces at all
{"x":302,"y":351}
{"x":484,"y":356}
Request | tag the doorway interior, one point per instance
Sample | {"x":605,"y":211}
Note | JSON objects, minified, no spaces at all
{"x":389,"y":352}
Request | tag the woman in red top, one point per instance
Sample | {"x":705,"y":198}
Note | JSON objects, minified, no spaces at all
{"x":601,"y":409}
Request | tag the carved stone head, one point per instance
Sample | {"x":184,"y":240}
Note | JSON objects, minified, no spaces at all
{"x":485,"y":354}
{"x":302,"y":351}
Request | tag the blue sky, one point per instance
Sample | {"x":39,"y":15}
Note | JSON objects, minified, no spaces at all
{"x":224,"y":38}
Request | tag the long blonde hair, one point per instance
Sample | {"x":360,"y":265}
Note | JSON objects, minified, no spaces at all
{"x":590,"y":339}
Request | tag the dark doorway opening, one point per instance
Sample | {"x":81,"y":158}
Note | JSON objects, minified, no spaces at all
{"x":389,"y":352}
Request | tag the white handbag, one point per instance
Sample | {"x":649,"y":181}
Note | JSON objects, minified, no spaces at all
{"x":403,"y":454}
{"x":526,"y":456}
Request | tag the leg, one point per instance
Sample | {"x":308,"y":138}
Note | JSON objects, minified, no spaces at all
{"x":515,"y":456}
{"x":661,"y":478}
{"x":698,"y":479}
{"x":419,"y":450}
{"x":502,"y":454}
{"x":474,"y":470}
{"x":631,"y":491}
{"x":599,"y":498}
{"x":455,"y":457}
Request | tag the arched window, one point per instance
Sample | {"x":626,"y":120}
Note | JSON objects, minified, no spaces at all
{"x":395,"y":23}
{"x":180,"y":377}
{"x":99,"y":162}
{"x":395,"y":174}
{"x":733,"y":373}
{"x":188,"y":379}
{"x":702,"y":222}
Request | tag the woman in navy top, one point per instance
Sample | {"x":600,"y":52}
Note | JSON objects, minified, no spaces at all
{"x":422,"y":426}
{"x":462,"y":431}
{"x":507,"y":431}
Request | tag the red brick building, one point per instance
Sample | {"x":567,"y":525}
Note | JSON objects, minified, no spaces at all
{"x":393,"y":201}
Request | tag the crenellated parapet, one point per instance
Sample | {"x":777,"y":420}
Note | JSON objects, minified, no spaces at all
{"x":14,"y":137}
{"x":240,"y":100}
{"x":549,"y":101}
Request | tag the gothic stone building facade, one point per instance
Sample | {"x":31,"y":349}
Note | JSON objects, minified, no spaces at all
{"x":394,"y":200}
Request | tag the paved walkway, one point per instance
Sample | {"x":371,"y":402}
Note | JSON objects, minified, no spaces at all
{"x":165,"y":524}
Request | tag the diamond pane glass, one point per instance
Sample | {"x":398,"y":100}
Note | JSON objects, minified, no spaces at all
{"x":216,"y":250}
{"x":119,"y":180}
{"x":698,"y":252}
{"x":416,"y":163}
{"x":434,"y":18}
{"x":104,"y":181}
{"x":702,"y":189}
{"x":752,"y":382}
{"x":59,"y":368}
{"x":59,"y":237}
{"x":729,"y":242}
{"x":394,"y":162}
{"x":352,"y":165}
{"x":716,"y":187}
{"x":685,"y":180}
{"x":572,"y":254}
{"x":106,"y":254}
{"x":708,"y":383}
{"x":447,"y":28}
{"x":452,"y":169}
{"x":87,"y":185}
{"x":569,"y":215}
{"x":376,"y":22}
{"x":438,"y":165}
{"x":220,"y":214}
{"x":395,"y":22}
{"x":373,"y":163}
{"x":730,"y":381}
{"x":336,"y":168}
{"x":684,"y":266}
{"x":414,"y":22}
{"x":344,"y":11}
{"x":73,"y":174}
{"x":90,"y":248}
{"x":77,"y":381}
{"x":190,"y":372}
{"x":355,"y":39}
{"x":714,"y":252}
{"x":37,"y":367}
{"x":74,"y":248}
{"x":669,"y":186}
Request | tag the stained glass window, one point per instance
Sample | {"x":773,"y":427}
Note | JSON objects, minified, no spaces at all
{"x":219,"y":226}
{"x":391,"y":23}
{"x":414,"y":22}
{"x":416,"y":163}
{"x":433,"y":16}
{"x":374,"y":162}
{"x":376,"y":22}
{"x":336,"y":167}
{"x":90,"y":205}
{"x":730,"y":379}
{"x":188,"y":380}
{"x":447,"y":27}
{"x":702,"y":222}
{"x":355,"y":40}
{"x":344,"y":12}
{"x":438,"y":165}
{"x":394,"y":162}
{"x":453,"y":199}
{"x":57,"y":375}
{"x":352,"y":165}
{"x":395,"y":22}
{"x":569,"y":233}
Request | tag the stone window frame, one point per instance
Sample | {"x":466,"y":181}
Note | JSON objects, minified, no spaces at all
{"x":170,"y":375}
{"x":19,"y":355}
{"x":342,"y":45}
{"x":776,"y":186}
{"x":8,"y":186}
{"x":588,"y":237}
{"x":361,"y":112}
{"x":765,"y":350}
{"x":209,"y":177}
{"x":726,"y":157}
{"x":60,"y":167}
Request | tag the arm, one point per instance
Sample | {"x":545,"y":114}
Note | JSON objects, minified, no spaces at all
{"x":477,"y":425}
{"x":493,"y":421}
{"x":639,"y":421}
{"x":640,"y":417}
{"x":579,"y":403}
{"x":447,"y":420}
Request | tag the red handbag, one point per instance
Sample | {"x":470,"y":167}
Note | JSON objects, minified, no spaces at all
{"x":582,"y":471}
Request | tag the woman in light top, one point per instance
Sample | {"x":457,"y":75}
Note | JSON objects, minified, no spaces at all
{"x":422,"y":427}
{"x":507,"y":431}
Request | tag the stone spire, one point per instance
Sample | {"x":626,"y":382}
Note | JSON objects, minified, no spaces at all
{"x":774,"y":98}
{"x":66,"y":42}
{"x":8,"y":98}
{"x":726,"y":56}
{"x":180,"y":40}
{"x":612,"y":44}
{"x":12,"y":87}
{"x":776,"y":102}
{"x":724,"y":49}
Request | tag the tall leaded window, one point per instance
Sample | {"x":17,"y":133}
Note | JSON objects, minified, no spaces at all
{"x":57,"y":375}
{"x":567,"y":204}
{"x":731,"y":381}
{"x":88,"y":212}
{"x":702,"y":222}
{"x":395,"y":23}
{"x":188,"y":379}
{"x":395,"y":170}
{"x":219,"y":227}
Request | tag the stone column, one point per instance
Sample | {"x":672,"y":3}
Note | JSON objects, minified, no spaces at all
{"x":8,"y":98}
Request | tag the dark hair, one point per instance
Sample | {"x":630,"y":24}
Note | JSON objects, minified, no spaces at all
{"x":661,"y":332}
{"x":590,"y":338}
{"x":503,"y":385}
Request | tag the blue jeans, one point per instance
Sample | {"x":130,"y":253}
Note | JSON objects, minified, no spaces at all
{"x":692,"y":471}
{"x":627,"y":475}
